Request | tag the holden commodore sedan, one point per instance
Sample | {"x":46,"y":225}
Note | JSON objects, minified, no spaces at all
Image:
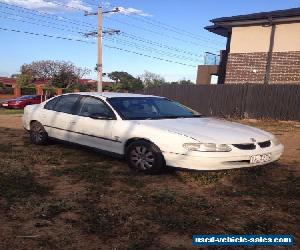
{"x":150,"y":132}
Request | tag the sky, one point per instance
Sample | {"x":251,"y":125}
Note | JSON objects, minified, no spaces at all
{"x":171,"y":30}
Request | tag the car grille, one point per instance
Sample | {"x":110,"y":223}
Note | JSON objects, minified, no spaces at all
{"x":248,"y":146}
{"x":264,"y":144}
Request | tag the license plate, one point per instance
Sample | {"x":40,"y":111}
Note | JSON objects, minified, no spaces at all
{"x":260,"y":158}
{"x":4,"y":104}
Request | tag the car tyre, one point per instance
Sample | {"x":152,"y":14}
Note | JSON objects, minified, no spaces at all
{"x":144,"y":156}
{"x":38,"y":134}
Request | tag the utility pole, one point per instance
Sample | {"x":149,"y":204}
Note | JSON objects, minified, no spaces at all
{"x":99,"y":33}
{"x":99,"y":49}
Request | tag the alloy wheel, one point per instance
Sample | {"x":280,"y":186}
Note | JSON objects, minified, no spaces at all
{"x":37,"y":133}
{"x":142,"y":158}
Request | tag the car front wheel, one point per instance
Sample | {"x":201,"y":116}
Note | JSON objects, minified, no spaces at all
{"x":146,"y":157}
{"x":38,"y":135}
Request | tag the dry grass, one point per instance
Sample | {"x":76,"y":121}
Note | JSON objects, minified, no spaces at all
{"x":72,"y":198}
{"x":11,"y":111}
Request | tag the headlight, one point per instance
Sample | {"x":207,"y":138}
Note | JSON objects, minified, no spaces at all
{"x":275,"y":141}
{"x":207,"y":147}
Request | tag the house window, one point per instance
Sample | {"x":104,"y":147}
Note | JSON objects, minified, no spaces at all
{"x":214,"y":79}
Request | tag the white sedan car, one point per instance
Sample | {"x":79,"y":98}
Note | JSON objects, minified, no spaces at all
{"x":150,"y":132}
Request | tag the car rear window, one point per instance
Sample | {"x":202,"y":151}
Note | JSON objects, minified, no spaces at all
{"x":51,"y":104}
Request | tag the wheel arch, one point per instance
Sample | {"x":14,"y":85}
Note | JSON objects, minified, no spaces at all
{"x":32,"y":121}
{"x":131,"y":140}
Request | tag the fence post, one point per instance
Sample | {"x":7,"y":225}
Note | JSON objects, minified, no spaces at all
{"x":58,"y":91}
{"x":17,"y":91}
{"x":246,"y":101}
{"x":39,"y":89}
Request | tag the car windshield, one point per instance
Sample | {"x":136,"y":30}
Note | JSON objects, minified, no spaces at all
{"x":143,"y":108}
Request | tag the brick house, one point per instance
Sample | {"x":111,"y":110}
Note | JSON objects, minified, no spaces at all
{"x":11,"y":82}
{"x":261,"y":47}
{"x":8,"y":81}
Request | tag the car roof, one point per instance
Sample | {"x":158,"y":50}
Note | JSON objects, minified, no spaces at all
{"x":27,"y":96}
{"x":112,"y":94}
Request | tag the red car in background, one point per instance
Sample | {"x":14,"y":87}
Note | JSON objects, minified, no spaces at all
{"x":21,"y":102}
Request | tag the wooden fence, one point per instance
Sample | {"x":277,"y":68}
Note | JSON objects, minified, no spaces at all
{"x":280,"y":102}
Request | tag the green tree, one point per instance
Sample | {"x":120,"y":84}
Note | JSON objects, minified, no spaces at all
{"x":60,"y":74}
{"x":24,"y":80}
{"x":124,"y":81}
{"x":120,"y":76}
{"x":150,"y":79}
{"x":63,"y":79}
{"x":184,"y":81}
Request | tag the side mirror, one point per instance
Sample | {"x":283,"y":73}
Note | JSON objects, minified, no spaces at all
{"x":98,"y":116}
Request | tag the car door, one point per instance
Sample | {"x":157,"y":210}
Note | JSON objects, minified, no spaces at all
{"x":94,"y":123}
{"x":48,"y":115}
{"x":58,"y":117}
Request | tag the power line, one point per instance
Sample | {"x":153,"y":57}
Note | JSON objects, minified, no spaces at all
{"x":171,"y":29}
{"x":161,"y":45}
{"x":45,"y":15}
{"x":151,"y":49}
{"x":149,"y":56}
{"x":46,"y":35}
{"x":175,"y":29}
{"x":64,"y":5}
{"x":89,"y":42}
{"x":39,"y":23}
{"x":162,"y":34}
{"x":196,"y":36}
{"x":85,"y":24}
{"x":91,"y":3}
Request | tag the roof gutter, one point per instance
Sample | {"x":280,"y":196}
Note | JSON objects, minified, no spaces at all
{"x":257,"y":22}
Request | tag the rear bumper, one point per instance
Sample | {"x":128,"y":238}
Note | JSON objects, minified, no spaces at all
{"x":221,"y":161}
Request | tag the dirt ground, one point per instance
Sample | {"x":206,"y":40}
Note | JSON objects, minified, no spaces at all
{"x":63,"y":197}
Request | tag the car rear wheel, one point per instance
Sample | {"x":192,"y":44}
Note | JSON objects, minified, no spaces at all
{"x":144,"y":156}
{"x":38,"y":135}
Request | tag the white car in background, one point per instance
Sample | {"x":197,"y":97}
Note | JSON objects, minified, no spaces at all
{"x":150,"y":132}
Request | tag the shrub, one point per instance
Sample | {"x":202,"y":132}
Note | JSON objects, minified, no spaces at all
{"x":49,"y":90}
{"x":67,"y":90}
{"x":28,"y":91}
{"x":6,"y":91}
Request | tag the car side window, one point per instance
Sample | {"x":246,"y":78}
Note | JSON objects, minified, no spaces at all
{"x":66,"y":104}
{"x":51,"y":104}
{"x":90,"y":106}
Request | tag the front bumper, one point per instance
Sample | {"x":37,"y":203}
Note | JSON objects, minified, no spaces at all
{"x":221,"y":160}
{"x":13,"y":106}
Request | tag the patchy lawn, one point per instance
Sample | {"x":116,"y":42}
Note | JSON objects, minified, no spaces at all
{"x":62,"y":197}
{"x":11,"y":111}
